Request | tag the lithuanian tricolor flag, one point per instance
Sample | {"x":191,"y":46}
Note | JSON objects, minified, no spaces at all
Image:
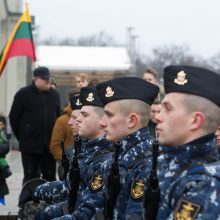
{"x":20,"y":42}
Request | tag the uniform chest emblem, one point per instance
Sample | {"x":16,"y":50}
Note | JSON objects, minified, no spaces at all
{"x":96,"y":182}
{"x":90,"y":97}
{"x":109,"y":92}
{"x":186,"y":210}
{"x":137,"y":188}
{"x":181,"y":78}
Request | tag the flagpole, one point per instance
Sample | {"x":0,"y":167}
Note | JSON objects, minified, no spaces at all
{"x":35,"y":62}
{"x":27,"y":8}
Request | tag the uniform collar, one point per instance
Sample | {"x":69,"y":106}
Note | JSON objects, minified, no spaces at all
{"x":96,"y":144}
{"x":134,"y":138}
{"x":200,"y":147}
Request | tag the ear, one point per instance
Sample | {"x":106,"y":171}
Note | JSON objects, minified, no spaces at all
{"x":198,"y":120}
{"x":133,"y":120}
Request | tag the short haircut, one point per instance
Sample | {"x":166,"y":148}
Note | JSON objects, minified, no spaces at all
{"x":53,"y":81}
{"x":157,"y":101}
{"x":152,"y":72}
{"x":211,"y":111}
{"x":128,"y":106}
{"x":73,"y":92}
{"x":99,"y":110}
{"x":93,"y":82}
{"x":83,"y":76}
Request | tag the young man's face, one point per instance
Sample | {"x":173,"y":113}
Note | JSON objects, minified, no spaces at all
{"x":150,"y":78}
{"x":115,"y":122}
{"x":89,"y":123}
{"x":173,"y":126}
{"x":73,"y":121}
{"x":154,"y":111}
{"x":81,"y":82}
{"x":217,"y":134}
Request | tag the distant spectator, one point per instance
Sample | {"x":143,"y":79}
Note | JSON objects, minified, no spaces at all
{"x":2,"y":118}
{"x":217,"y":134}
{"x":4,"y":167}
{"x":93,"y":82}
{"x":62,"y":130}
{"x":6,"y":124}
{"x":151,"y":75}
{"x":53,"y":83}
{"x":154,"y":111}
{"x":32,"y":117}
{"x":82,"y":80}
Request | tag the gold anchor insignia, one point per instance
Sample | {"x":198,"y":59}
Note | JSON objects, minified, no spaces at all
{"x":109,"y":92}
{"x":96,"y":182}
{"x":186,"y":210}
{"x":137,"y":189}
{"x":90,"y":97}
{"x":78,"y":102}
{"x":181,"y":78}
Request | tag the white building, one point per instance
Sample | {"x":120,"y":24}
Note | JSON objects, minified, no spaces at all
{"x":86,"y":59}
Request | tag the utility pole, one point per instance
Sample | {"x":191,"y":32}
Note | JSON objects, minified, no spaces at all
{"x":131,"y":47}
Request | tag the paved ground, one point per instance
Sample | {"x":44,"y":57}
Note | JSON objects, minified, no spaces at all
{"x":14,"y":182}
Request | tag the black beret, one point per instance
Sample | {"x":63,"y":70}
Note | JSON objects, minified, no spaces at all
{"x":89,"y":96}
{"x":75,"y":102}
{"x":192,"y":80}
{"x":42,"y":72}
{"x":127,"y":88}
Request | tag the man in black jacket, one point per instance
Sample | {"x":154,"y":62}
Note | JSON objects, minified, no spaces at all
{"x":32,"y":117}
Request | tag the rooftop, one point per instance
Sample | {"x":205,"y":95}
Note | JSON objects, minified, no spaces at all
{"x":75,"y":58}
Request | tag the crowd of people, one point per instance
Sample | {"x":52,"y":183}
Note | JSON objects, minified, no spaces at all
{"x":126,"y":148}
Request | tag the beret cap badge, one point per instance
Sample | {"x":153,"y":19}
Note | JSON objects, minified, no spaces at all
{"x":78,"y":102}
{"x":181,"y":78}
{"x":109,"y":92}
{"x":90,"y":97}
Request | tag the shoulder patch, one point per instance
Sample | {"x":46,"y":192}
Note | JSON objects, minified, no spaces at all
{"x":186,"y":210}
{"x":137,"y":188}
{"x":97,"y":181}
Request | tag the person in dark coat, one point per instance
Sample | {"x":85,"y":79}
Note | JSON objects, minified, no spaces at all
{"x":33,"y":114}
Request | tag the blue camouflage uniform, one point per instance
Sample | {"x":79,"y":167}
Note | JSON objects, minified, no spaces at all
{"x":96,"y":150}
{"x":189,"y":177}
{"x":135,"y":146}
{"x":57,"y":191}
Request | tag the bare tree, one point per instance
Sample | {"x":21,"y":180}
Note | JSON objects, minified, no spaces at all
{"x":50,"y":41}
{"x":173,"y":55}
{"x":215,"y":62}
{"x":101,"y":39}
{"x":68,"y":42}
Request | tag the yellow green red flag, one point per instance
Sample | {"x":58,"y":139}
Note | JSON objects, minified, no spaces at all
{"x":20,"y":42}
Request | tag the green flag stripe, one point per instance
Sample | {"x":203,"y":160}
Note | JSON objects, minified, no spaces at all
{"x":24,"y":31}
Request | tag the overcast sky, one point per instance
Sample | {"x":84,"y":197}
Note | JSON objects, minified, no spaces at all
{"x":195,"y":23}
